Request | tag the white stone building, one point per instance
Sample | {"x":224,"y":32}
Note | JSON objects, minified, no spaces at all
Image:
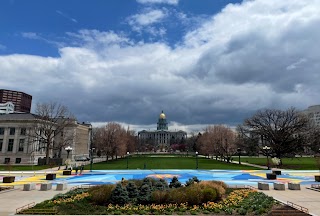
{"x":18,"y":145}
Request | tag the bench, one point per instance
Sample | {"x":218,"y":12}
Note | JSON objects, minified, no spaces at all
{"x":61,"y":186}
{"x":317,"y":178}
{"x":263,"y":186}
{"x":271,"y":176}
{"x":29,"y":187}
{"x":46,"y":186}
{"x":276,"y":172}
{"x":51,"y":176}
{"x":8,"y":179}
{"x":279,"y":186}
{"x":66,"y":172}
{"x":294,"y":186}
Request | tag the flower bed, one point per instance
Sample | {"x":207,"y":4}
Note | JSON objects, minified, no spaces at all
{"x":106,"y":199}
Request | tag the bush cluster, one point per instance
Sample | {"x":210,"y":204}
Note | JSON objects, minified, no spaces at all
{"x":148,"y":191}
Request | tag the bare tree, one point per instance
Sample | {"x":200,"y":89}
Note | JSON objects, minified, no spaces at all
{"x":112,"y":140}
{"x":218,"y":140}
{"x":281,"y":130}
{"x":51,"y":121}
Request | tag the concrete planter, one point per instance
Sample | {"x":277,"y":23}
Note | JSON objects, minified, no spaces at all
{"x":279,"y":186}
{"x":263,"y":186}
{"x":29,"y":187}
{"x":271,"y":176}
{"x":294,"y":186}
{"x":8,"y":179}
{"x":45,"y":186}
{"x":317,"y":178}
{"x":51,"y":176}
{"x":277,"y":172}
{"x":66,"y":172}
{"x":61,"y":186}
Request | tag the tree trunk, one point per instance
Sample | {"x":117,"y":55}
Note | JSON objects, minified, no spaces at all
{"x":47,"y":154}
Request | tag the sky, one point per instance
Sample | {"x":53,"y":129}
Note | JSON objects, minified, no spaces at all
{"x":201,"y":62}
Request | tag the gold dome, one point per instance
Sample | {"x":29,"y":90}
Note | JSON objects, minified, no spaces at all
{"x":162,"y":115}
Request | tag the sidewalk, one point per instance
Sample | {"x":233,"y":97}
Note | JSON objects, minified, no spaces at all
{"x":11,"y":200}
{"x":306,"y":198}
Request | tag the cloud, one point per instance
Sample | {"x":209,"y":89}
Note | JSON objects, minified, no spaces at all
{"x":147,"y":21}
{"x":66,"y":16}
{"x":146,"y":18}
{"x":253,"y":55}
{"x":170,"y":2}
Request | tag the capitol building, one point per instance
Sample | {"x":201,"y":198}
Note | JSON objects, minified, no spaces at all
{"x":162,"y":138}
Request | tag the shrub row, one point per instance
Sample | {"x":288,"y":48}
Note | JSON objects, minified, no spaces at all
{"x":149,"y":191}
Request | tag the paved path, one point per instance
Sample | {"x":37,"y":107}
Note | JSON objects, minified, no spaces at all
{"x":11,"y":200}
{"x":307,"y":198}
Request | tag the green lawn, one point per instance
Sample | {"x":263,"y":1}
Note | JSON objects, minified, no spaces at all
{"x":165,"y":162}
{"x":21,"y":167}
{"x":299,"y":163}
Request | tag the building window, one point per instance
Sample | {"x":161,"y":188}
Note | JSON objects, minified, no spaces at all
{"x":12,"y":131}
{"x":1,"y":131}
{"x":10,"y":144}
{"x":1,"y":143}
{"x":7,"y":160}
{"x":18,"y":160}
{"x":23,"y":131}
{"x":21,"y":144}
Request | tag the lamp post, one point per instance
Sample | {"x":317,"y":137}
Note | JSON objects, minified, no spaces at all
{"x":197,"y":160}
{"x":91,"y":158}
{"x":267,"y":148}
{"x":239,"y":153}
{"x":128,"y":160}
{"x":90,"y":148}
{"x":68,"y":149}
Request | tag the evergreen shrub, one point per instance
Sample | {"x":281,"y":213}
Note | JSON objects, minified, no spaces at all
{"x":119,"y":195}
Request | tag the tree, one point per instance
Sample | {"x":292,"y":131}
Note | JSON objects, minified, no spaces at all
{"x":51,"y":121}
{"x":218,"y":140}
{"x":282,"y":130}
{"x":114,"y":140}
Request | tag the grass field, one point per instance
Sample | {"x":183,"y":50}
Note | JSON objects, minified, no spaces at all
{"x":298,"y":163}
{"x":166,"y":162}
{"x":21,"y":167}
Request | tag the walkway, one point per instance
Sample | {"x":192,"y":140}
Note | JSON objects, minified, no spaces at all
{"x":307,"y":198}
{"x":11,"y":200}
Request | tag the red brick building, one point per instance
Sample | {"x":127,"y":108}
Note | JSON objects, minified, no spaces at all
{"x":21,"y":100}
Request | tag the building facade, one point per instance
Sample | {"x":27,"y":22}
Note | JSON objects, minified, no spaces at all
{"x":313,"y":112}
{"x":162,"y":138}
{"x":22,"y":101}
{"x":19,"y":146}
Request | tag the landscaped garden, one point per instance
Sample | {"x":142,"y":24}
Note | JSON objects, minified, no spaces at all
{"x":156,"y":196}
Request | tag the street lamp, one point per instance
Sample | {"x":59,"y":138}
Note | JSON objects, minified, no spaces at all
{"x":197,"y":160}
{"x":91,"y":157}
{"x":128,"y":160}
{"x":239,"y":153}
{"x":267,"y":148}
{"x":68,"y":149}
